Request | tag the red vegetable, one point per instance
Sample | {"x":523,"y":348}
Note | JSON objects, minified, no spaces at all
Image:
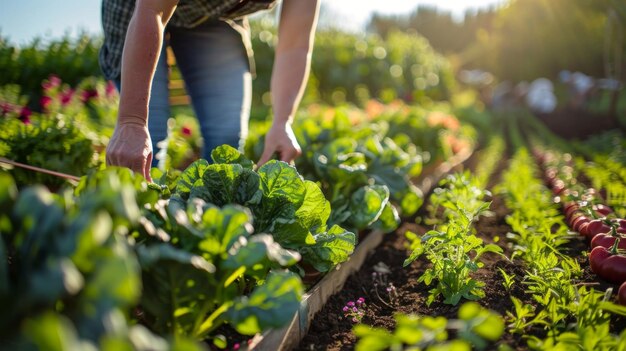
{"x":570,"y":211}
{"x":608,"y":266}
{"x":602,"y":210}
{"x":607,"y":241}
{"x":578,"y":222}
{"x":595,"y":227}
{"x":621,"y":294}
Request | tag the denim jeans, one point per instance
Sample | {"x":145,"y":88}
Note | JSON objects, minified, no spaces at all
{"x":213,"y":62}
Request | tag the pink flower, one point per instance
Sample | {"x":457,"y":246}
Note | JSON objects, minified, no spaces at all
{"x":88,"y":94}
{"x":236,"y":346}
{"x":186,"y":131}
{"x":110,"y":89}
{"x":66,"y":97}
{"x":53,"y":82}
{"x":350,"y":304}
{"x":25,"y":115}
{"x":6,"y":107}
{"x":45,"y":102}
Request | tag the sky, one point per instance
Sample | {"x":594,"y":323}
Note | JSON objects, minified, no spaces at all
{"x":23,"y":20}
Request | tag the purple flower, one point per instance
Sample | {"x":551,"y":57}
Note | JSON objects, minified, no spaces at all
{"x":350,"y":304}
{"x":354,"y":309}
{"x":236,"y":346}
{"x":360,"y":300}
{"x":346,"y":308}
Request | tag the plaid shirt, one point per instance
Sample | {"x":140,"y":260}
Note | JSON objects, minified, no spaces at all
{"x":116,"y":15}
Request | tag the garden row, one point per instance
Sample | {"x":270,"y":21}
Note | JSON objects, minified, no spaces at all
{"x":586,"y":209}
{"x":114,"y":262}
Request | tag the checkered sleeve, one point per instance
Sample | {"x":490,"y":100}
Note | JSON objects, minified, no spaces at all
{"x":116,"y":15}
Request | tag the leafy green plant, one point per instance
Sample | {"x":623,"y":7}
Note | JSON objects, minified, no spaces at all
{"x":49,"y":142}
{"x":453,"y":251}
{"x":476,"y":327}
{"x":69,"y":275}
{"x":294,"y":211}
{"x":454,"y":255}
{"x":356,"y":165}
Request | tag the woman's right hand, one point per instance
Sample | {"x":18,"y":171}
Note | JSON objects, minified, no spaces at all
{"x":131,"y":147}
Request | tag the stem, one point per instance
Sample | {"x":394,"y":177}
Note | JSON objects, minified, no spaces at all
{"x":616,"y":235}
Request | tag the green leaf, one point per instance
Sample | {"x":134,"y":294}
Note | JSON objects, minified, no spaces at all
{"x":373,"y":339}
{"x":315,"y":210}
{"x":330,"y":249}
{"x":222,"y":227}
{"x":175,"y":281}
{"x":192,"y":176}
{"x":389,"y":219}
{"x":367,"y":204}
{"x":271,"y":305}
{"x":230,"y":155}
{"x":225,"y":184}
{"x":53,"y":332}
{"x":258,"y":249}
{"x":279,"y":179}
{"x":411,"y":200}
{"x":115,"y":283}
{"x":8,"y":192}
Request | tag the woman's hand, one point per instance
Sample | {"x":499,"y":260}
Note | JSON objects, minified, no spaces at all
{"x":280,"y":140}
{"x":131,"y":147}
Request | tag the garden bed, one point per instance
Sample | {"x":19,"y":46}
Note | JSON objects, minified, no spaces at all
{"x":317,"y":298}
{"x":331,"y":330}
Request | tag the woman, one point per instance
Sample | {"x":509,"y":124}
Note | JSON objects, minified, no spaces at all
{"x":203,"y":35}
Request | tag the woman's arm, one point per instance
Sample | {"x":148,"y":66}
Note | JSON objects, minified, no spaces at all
{"x":289,"y":75}
{"x":130,"y":145}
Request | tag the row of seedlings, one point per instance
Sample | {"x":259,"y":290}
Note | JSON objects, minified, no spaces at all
{"x":563,"y":313}
{"x":454,"y":253}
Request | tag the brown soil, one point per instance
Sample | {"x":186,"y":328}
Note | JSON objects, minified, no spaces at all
{"x":330,"y":330}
